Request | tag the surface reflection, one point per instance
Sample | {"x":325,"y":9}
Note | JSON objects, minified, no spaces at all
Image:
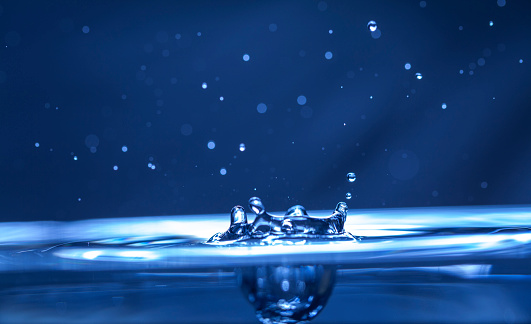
{"x":287,"y":294}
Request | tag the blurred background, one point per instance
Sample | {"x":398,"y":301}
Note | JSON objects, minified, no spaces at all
{"x":137,"y":108}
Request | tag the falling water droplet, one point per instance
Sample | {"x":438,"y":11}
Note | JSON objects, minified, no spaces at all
{"x":372,"y":25}
{"x":418,"y":75}
{"x":348,"y":195}
{"x":242,"y":147}
{"x":443,"y":106}
{"x":351,"y":177}
{"x":204,"y":85}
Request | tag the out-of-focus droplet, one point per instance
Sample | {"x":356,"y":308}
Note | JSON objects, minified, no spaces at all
{"x":418,"y":75}
{"x":204,"y":85}
{"x":242,"y":147}
{"x":223,"y":171}
{"x":211,"y":145}
{"x":443,"y":106}
{"x":407,"y":66}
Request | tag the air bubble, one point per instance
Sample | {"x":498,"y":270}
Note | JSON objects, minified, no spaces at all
{"x":351,"y":177}
{"x":372,"y":26}
{"x":348,"y":195}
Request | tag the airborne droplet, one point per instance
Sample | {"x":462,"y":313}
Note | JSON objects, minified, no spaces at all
{"x":372,"y":25}
{"x":351,"y":177}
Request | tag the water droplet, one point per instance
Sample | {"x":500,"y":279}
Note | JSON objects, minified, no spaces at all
{"x":115,"y":167}
{"x":407,"y":66}
{"x":223,"y":171}
{"x":177,"y":36}
{"x":273,"y":27}
{"x":461,"y":71}
{"x":78,"y":199}
{"x":330,"y":31}
{"x":435,"y":193}
{"x":124,"y":148}
{"x":418,"y":75}
{"x":211,"y":145}
{"x":37,"y":144}
{"x":460,"y":27}
{"x":501,"y":3}
{"x":351,"y":177}
{"x":221,"y":98}
{"x":376,"y":34}
{"x":322,"y":5}
{"x":198,"y":33}
{"x":443,"y":106}
{"x":481,"y":61}
{"x":422,"y":4}
{"x":261,"y":108}
{"x":348,"y":195}
{"x":301,"y":100}
{"x":85,"y":29}
{"x":372,"y":25}
{"x":242,"y":147}
{"x":204,"y":85}
{"x":520,"y":61}
{"x":491,"y":23}
{"x":75,"y":158}
{"x":328,"y":55}
{"x":186,"y":129}
{"x":246,"y":57}
{"x":484,"y":184}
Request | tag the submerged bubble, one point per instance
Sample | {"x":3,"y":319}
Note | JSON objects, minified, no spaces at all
{"x":372,"y":25}
{"x":204,"y":85}
{"x":348,"y":195}
{"x":242,"y":147}
{"x":351,"y":177}
{"x":418,"y":75}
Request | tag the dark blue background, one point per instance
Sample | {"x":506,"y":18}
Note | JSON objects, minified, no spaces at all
{"x":59,"y":85}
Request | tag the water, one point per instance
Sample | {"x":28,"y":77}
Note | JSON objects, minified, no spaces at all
{"x":372,"y":26}
{"x":351,"y":177}
{"x":445,"y":264}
